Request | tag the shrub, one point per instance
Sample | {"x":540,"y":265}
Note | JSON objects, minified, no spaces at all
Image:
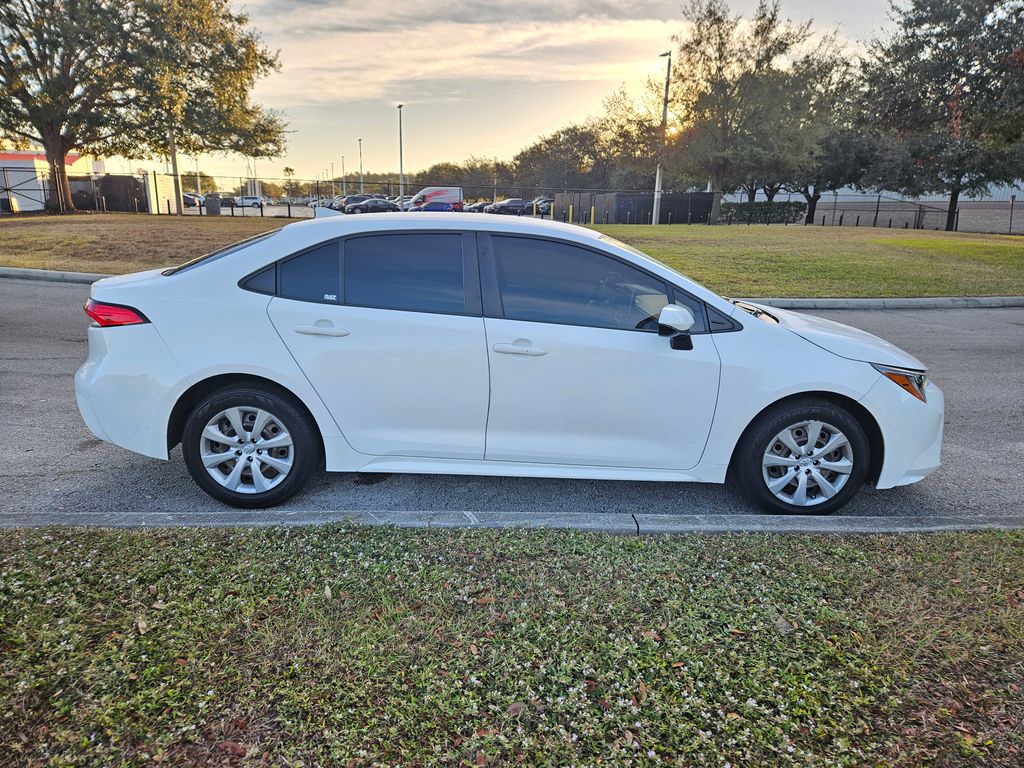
{"x":789,"y":212}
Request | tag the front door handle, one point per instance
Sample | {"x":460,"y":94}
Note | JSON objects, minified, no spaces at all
{"x":320,"y":328}
{"x":519,"y":349}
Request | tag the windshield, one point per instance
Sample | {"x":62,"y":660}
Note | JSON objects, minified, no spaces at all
{"x":214,"y":255}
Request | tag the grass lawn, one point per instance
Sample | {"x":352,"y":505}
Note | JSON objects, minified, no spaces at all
{"x":735,"y":261}
{"x":349,"y":646}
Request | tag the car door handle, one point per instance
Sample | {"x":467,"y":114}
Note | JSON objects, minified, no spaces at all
{"x":320,"y":330}
{"x":519,"y":349}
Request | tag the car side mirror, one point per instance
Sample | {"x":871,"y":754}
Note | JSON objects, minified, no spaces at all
{"x":676,"y":322}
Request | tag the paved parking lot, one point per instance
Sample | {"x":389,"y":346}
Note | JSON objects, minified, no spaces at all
{"x":54,"y":471}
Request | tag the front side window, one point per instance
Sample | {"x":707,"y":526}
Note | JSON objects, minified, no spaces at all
{"x":420,"y":272}
{"x":551,"y":282}
{"x":314,"y":275}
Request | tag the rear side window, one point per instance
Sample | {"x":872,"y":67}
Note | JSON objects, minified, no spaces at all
{"x":420,"y":272}
{"x":551,"y":282}
{"x":314,"y":275}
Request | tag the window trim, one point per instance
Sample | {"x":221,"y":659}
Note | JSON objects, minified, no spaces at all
{"x":494,"y":304}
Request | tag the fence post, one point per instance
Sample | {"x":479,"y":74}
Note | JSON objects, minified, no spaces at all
{"x":823,"y":220}
{"x":1013,"y":200}
{"x":593,"y":212}
{"x":878,"y":205}
{"x":570,"y":213}
{"x":289,"y":209}
{"x":168,"y":207}
{"x":858,"y":222}
{"x":956,"y":222}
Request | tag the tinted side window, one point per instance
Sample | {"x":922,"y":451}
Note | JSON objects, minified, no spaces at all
{"x":552,"y":282}
{"x":312,"y":276}
{"x":420,"y":272}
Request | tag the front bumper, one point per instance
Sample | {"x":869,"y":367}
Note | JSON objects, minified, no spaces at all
{"x":911,"y":431}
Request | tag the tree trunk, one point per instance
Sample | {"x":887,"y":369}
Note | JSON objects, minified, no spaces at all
{"x":812,"y":206}
{"x":954,"y":202}
{"x":716,"y":200}
{"x":60,"y":189}
{"x":770,"y":191}
{"x":751,"y":190}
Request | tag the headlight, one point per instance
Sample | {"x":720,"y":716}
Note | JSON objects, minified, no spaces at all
{"x":912,"y":381}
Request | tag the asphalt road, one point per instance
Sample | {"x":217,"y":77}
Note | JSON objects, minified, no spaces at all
{"x":55,"y":472}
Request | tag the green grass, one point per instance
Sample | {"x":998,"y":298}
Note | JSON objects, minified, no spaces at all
{"x":357,"y":646}
{"x":829,"y":261}
{"x":742,"y":261}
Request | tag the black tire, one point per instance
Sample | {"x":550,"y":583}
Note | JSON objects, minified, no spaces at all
{"x":756,"y":440}
{"x":305,"y":451}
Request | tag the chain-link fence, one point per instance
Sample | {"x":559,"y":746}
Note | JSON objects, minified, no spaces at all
{"x":28,"y":190}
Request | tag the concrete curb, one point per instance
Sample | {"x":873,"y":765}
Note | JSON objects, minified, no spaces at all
{"x":49,"y":275}
{"x":611,"y":523}
{"x":932,"y":302}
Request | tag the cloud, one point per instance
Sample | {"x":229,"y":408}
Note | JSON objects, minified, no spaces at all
{"x":347,"y":52}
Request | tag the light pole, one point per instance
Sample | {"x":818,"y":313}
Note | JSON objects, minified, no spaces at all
{"x":344,"y":185}
{"x":333,"y":190}
{"x":361,"y":187}
{"x":656,"y":213}
{"x":401,"y":167}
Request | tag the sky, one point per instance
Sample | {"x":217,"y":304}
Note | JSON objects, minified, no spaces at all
{"x":476,"y":78}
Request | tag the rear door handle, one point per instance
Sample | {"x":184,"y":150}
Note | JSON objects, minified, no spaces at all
{"x":320,"y":328}
{"x":519,"y":349}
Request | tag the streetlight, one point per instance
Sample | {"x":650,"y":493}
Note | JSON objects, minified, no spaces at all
{"x":401,"y":169}
{"x":333,"y":190}
{"x":656,"y":213}
{"x":361,"y":187}
{"x":344,"y":185}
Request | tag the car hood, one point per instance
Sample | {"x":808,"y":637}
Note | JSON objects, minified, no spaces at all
{"x":842,"y":340}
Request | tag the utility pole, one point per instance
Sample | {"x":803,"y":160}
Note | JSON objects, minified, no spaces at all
{"x":333,"y":190}
{"x":199,"y":189}
{"x":656,"y":214}
{"x":361,"y":177}
{"x":344,"y":186}
{"x":401,"y":167}
{"x":174,"y":171}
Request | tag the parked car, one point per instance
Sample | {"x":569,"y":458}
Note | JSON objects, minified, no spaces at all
{"x":451,"y":195}
{"x":371,"y":205}
{"x":540,"y":205}
{"x":563,"y":353}
{"x":339,"y":202}
{"x":433,"y":205}
{"x":514,"y":206}
{"x":245,"y":201}
{"x":192,"y":200}
{"x":477,"y":207}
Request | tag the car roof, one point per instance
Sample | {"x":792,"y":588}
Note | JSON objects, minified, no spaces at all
{"x":339,"y":226}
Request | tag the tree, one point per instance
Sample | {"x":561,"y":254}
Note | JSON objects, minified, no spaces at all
{"x":722,"y":72}
{"x":573,"y":157}
{"x":947,"y":87}
{"x":135,"y":78}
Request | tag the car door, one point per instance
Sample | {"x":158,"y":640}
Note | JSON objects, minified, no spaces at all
{"x":388,"y":329}
{"x":579,"y":374}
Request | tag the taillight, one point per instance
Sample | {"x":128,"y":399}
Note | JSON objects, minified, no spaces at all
{"x":108,"y":315}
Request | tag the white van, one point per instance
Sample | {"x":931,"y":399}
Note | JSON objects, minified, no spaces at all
{"x":451,"y":195}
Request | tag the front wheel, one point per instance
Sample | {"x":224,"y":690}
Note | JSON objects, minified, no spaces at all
{"x":250,"y":447}
{"x":807,"y":456}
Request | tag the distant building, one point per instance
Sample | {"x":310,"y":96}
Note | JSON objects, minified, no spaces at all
{"x":24,"y":175}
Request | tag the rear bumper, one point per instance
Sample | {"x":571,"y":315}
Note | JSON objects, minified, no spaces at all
{"x":911,"y":431}
{"x":127,"y":388}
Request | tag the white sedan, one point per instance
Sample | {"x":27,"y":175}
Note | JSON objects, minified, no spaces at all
{"x":484,"y":345}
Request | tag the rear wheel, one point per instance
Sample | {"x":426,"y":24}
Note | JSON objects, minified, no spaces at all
{"x":250,"y":447}
{"x":803,"y":457}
